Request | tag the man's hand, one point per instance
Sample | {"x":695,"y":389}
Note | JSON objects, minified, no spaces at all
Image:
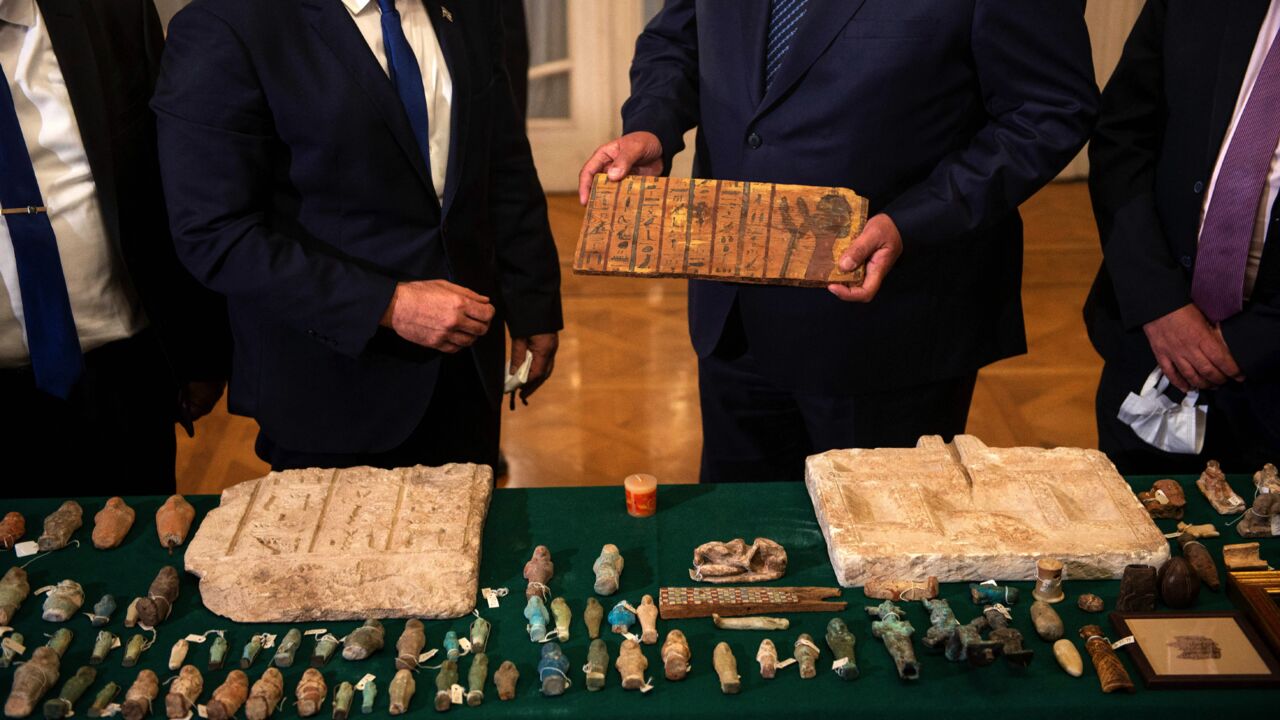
{"x":544,"y":349}
{"x":195,"y":400}
{"x":1191,"y":352}
{"x":879,"y":246}
{"x":438,"y":314}
{"x":638,"y":153}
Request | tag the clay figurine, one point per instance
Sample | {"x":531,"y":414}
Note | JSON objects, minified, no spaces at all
{"x":942,"y":623}
{"x":311,"y":693}
{"x":452,"y":648}
{"x":63,"y":601}
{"x":477,"y":676}
{"x":621,"y":618}
{"x":133,"y":650}
{"x":265,"y":695}
{"x":445,"y":680}
{"x":251,"y":650}
{"x":553,"y":670}
{"x":369,"y":696}
{"x":535,"y":611}
{"x":287,"y":650}
{"x":563,"y":616}
{"x":1263,"y":519}
{"x":156,"y":606}
{"x":1213,"y":483}
{"x":726,"y":666}
{"x":326,"y":646}
{"x":1165,"y":500}
{"x":14,"y":588}
{"x":737,"y":562}
{"x":648,"y":615}
{"x":101,"y":701}
{"x":538,"y":571}
{"x":990,"y":594}
{"x":75,"y":687}
{"x":631,"y":664}
{"x":229,"y":697}
{"x":183,"y":693}
{"x":173,"y":521}
{"x":1068,"y":657}
{"x":1048,"y":581}
{"x":410,"y":645}
{"x":343,"y":698}
{"x":767,"y":656}
{"x":364,"y":641}
{"x":218,"y":650}
{"x":750,"y":623}
{"x":1198,"y":532}
{"x":59,"y":526}
{"x":506,"y":679}
{"x":593,"y":616}
{"x":675,"y":656}
{"x":1111,"y":673}
{"x":1267,"y":480}
{"x":608,"y":570}
{"x":1047,"y":622}
{"x":140,"y":696}
{"x":1089,"y":602}
{"x":480,"y":629}
{"x":31,"y":681}
{"x":1241,"y":556}
{"x":102,"y":611}
{"x":893,"y":629}
{"x":12,"y":528}
{"x":111,"y":524}
{"x":10,"y":648}
{"x":841,"y":642}
{"x":597,"y":668}
{"x":1137,"y":589}
{"x":806,"y":653}
{"x":60,"y":641}
{"x":898,"y":590}
{"x":101,"y":646}
{"x":178,"y":654}
{"x":1179,"y":584}
{"x":1015,"y":653}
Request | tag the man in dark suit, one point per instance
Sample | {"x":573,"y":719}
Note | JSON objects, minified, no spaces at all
{"x":352,"y":176}
{"x":946,"y":116}
{"x":1185,"y":174}
{"x":105,"y":340}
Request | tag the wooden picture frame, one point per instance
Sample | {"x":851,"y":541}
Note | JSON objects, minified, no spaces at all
{"x":1257,"y":594}
{"x":1217,"y":649}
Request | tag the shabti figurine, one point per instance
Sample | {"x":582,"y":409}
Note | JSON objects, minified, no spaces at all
{"x":131,"y":614}
{"x":364,"y":641}
{"x":452,"y":648}
{"x":14,"y":588}
{"x":990,"y":594}
{"x":31,"y":681}
{"x":898,"y":590}
{"x":893,"y":629}
{"x":111,"y":524}
{"x":9,"y":648}
{"x":1267,"y":480}
{"x":1213,"y":483}
{"x":1263,"y":519}
{"x":102,"y":611}
{"x":342,"y":700}
{"x":1241,"y":556}
{"x":410,"y":644}
{"x":59,"y":526}
{"x":101,"y":646}
{"x":140,"y":696}
{"x":648,"y":615}
{"x":311,"y":693}
{"x":1179,"y":584}
{"x":133,"y":650}
{"x":1048,"y":581}
{"x":675,"y":656}
{"x":102,"y":700}
{"x":178,"y":654}
{"x":506,"y":679}
{"x":445,"y":680}
{"x":1137,"y":589}
{"x":183,"y":693}
{"x":477,"y":676}
{"x":631,"y":665}
{"x":1089,"y":602}
{"x":326,"y":646}
{"x":597,"y":668}
{"x":593,"y":616}
{"x":841,"y":642}
{"x":750,"y":623}
{"x":401,"y":691}
{"x":767,"y":656}
{"x":480,"y":629}
{"x":726,"y":666}
{"x":1068,"y":657}
{"x":72,"y":690}
{"x":1015,"y":653}
{"x":1198,"y":532}
{"x":553,"y":670}
{"x":250,"y":652}
{"x":1111,"y":673}
{"x":1047,"y":622}
{"x":942,"y":623}
{"x":60,"y":641}
{"x":806,"y":654}
{"x":1164,"y":500}
{"x":163,"y":593}
{"x":12,"y":528}
{"x":63,"y":601}
{"x":229,"y":697}
{"x":369,"y":696}
{"x":621,"y":618}
{"x":737,"y":562}
{"x":265,"y":696}
{"x":563,"y":616}
{"x":218,"y":650}
{"x":608,"y":570}
{"x":173,"y":521}
{"x":535,"y":611}
{"x":538,"y":571}
{"x":287,"y":650}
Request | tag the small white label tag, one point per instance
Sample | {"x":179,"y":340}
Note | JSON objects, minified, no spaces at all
{"x":491,"y":596}
{"x":13,"y":646}
{"x":456,"y":694}
{"x":25,"y":549}
{"x":839,"y":663}
{"x":427,"y":655}
{"x":364,"y":681}
{"x":195,"y":638}
{"x":1173,"y":535}
{"x":647,"y":686}
{"x":1234,"y":500}
{"x":202,"y":711}
{"x":44,"y":590}
{"x":317,"y":632}
{"x":115,"y":643}
{"x":268,"y":641}
{"x":1122,"y":642}
{"x":631,"y":636}
{"x":786,"y":663}
{"x":111,"y":710}
{"x":465,"y":644}
{"x":1161,"y":497}
{"x":992,"y":583}
{"x":1006,"y":612}
{"x":630,"y":609}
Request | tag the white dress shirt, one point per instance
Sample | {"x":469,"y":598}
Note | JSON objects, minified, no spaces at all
{"x":1266,"y":36}
{"x":436,"y":80}
{"x":102,"y":301}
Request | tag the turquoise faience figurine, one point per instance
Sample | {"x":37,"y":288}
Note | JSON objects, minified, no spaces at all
{"x":986,"y":594}
{"x":287,"y":649}
{"x":553,"y":670}
{"x":218,"y":652}
{"x":452,"y":648}
{"x":893,"y":629}
{"x":622,"y":618}
{"x":326,"y":646}
{"x":364,"y":641}
{"x":942,"y":623}
{"x":842,"y":642}
{"x":102,"y":611}
{"x":480,"y":629}
{"x":608,"y":570}
{"x":368,"y":696}
{"x":535,"y":611}
{"x":250,"y":652}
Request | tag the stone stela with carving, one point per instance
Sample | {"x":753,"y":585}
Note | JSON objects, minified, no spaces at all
{"x":750,"y":232}
{"x":345,"y":544}
{"x":966,"y":512}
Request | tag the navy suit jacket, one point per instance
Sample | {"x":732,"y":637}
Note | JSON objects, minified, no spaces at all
{"x":946,"y":115}
{"x":297,"y":190}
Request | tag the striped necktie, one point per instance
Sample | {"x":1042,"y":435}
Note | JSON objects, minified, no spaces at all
{"x":784,"y":20}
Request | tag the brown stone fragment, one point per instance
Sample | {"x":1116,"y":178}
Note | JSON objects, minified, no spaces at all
{"x":59,"y":526}
{"x":1089,"y":602}
{"x":1201,"y":561}
{"x":156,"y":606}
{"x":229,"y":697}
{"x":1137,"y":589}
{"x":410,"y":645}
{"x":173,"y":521}
{"x":1263,"y":519}
{"x":1165,"y":499}
{"x":12,"y":528}
{"x":900,"y":590}
{"x":736,"y":562}
{"x":112,"y":523}
{"x":1241,"y":556}
{"x":506,"y":679}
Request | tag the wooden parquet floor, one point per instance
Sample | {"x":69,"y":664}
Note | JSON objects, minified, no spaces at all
{"x":624,"y":397}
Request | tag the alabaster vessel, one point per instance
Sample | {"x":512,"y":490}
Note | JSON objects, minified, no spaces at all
{"x":608,"y":570}
{"x":111,"y":524}
{"x":229,"y":697}
{"x":1048,"y":581}
{"x":726,"y":667}
{"x":675,"y":656}
{"x":173,"y":521}
{"x":737,"y":562}
{"x":184,"y":691}
{"x":631,"y":665}
{"x":538,"y":572}
{"x":59,"y":526}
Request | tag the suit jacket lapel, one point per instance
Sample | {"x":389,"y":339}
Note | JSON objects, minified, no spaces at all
{"x":335,"y":26}
{"x":824,"y":20}
{"x":1244,"y":19}
{"x":453,"y":45}
{"x":76,"y":49}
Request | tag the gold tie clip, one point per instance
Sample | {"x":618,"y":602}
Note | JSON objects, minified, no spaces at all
{"x":28,"y":210}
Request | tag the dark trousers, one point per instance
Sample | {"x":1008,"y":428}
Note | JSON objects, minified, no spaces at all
{"x":460,"y":426}
{"x":1243,"y":426}
{"x":113,"y":436}
{"x":755,"y":431}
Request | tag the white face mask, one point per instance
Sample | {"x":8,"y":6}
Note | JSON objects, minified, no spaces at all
{"x":1162,"y":423}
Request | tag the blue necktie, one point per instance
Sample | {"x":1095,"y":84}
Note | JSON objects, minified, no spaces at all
{"x":406,"y":75}
{"x":51,"y":330}
{"x":784,"y":20}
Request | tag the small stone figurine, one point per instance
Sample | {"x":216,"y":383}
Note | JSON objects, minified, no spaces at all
{"x":369,"y":696}
{"x":1267,"y":480}
{"x":553,"y":670}
{"x":990,"y":594}
{"x":593,"y":616}
{"x":726,"y":666}
{"x":343,"y":698}
{"x":1111,"y":673}
{"x":966,"y":644}
{"x":631,"y":665}
{"x":1048,"y":580}
{"x":31,"y":681}
{"x":229,"y":697}
{"x":59,"y":526}
{"x":1068,"y":657}
{"x":894,"y":630}
{"x":251,"y":650}
{"x":265,"y":696}
{"x":102,"y":700}
{"x":675,"y":656}
{"x":806,"y":653}
{"x":12,"y":528}
{"x":445,"y":680}
{"x":648,"y":615}
{"x":14,"y":588}
{"x":102,"y":611}
{"x":480,"y":629}
{"x":287,"y":650}
{"x":401,"y":691}
{"x":111,"y":524}
{"x":563,"y":616}
{"x":842,"y":642}
{"x":1213,"y":484}
{"x":173,"y":521}
{"x":61,"y":640}
{"x":101,"y":646}
{"x":63,"y":601}
{"x":767,"y":656}
{"x":75,"y":687}
{"x":1047,"y":622}
{"x":452,"y":648}
{"x":506,"y":679}
{"x":538,"y":571}
{"x":9,"y":649}
{"x":535,"y":611}
{"x":218,"y":650}
{"x":364,"y":641}
{"x":410,"y":644}
{"x":140,"y":696}
{"x":1263,"y":519}
{"x":597,"y":668}
{"x":326,"y":646}
{"x":621,"y":618}
{"x":311,"y":693}
{"x":133,"y":650}
{"x":163,"y":593}
{"x":184,"y":691}
{"x":477,"y":676}
{"x":608,"y":570}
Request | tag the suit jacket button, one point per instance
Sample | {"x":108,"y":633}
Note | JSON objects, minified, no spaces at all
{"x":1198,"y":187}
{"x":1186,"y":261}
{"x":754,"y":140}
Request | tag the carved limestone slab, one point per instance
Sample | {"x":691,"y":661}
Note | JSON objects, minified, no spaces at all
{"x":345,"y":544}
{"x":966,"y":512}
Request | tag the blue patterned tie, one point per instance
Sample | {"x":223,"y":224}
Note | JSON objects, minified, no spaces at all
{"x":51,"y":330}
{"x":784,"y":20}
{"x":406,"y":75}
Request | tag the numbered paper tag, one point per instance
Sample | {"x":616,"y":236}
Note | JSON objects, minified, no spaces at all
{"x":465,"y":644}
{"x":44,"y":590}
{"x":632,"y":637}
{"x":427,"y":655}
{"x":316,"y":632}
{"x":1173,"y":535}
{"x":786,"y":663}
{"x":839,"y":664}
{"x":111,"y":710}
{"x":1122,"y":642}
{"x":25,"y":549}
{"x":195,"y":638}
{"x":364,"y":681}
{"x":13,"y":646}
{"x":490,"y":597}
{"x":202,"y":711}
{"x":456,"y":694}
{"x":992,"y":583}
{"x":268,"y":641}
{"x":647,"y":686}
{"x":115,"y":643}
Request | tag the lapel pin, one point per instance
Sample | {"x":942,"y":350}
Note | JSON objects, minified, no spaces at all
{"x":444,"y":12}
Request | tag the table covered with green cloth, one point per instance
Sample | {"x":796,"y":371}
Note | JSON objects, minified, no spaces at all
{"x":574,"y":523}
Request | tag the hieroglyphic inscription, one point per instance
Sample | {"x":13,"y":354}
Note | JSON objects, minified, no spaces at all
{"x":750,"y":232}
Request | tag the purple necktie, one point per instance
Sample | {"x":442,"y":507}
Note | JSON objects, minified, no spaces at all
{"x":1217,"y":286}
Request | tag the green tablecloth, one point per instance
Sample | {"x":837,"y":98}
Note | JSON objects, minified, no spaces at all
{"x":574,"y":523}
